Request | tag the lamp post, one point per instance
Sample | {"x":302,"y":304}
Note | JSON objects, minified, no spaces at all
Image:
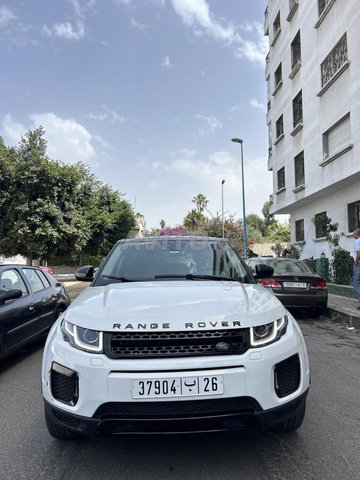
{"x":222,"y":206}
{"x":239,"y":140}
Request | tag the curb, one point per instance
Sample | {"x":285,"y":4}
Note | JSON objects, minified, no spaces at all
{"x":344,"y":315}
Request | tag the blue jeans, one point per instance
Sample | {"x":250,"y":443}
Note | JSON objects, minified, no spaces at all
{"x":356,"y":281}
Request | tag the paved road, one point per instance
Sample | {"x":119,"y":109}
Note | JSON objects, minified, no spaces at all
{"x":327,"y":447}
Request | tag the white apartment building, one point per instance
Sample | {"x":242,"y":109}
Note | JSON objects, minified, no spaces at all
{"x":313,"y":85}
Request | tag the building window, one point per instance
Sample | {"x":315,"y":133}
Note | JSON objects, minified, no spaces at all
{"x":322,"y":5}
{"x":336,"y":59}
{"x":299,"y":169}
{"x":354,"y":216}
{"x":276,"y":28}
{"x":279,"y":127}
{"x":278,"y":78}
{"x":281,"y":178}
{"x":293,"y":6}
{"x":320,"y":225}
{"x":337,"y":139}
{"x":297,"y":109}
{"x":276,"y":25}
{"x":299,"y":231}
{"x":295,"y":50}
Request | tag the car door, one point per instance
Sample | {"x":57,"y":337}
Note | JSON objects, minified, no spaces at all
{"x":17,"y":316}
{"x":44,"y":296}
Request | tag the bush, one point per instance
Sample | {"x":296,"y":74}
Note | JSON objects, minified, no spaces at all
{"x":322,"y":268}
{"x":342,"y":265}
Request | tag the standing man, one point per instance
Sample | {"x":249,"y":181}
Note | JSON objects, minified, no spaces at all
{"x":356,"y":279}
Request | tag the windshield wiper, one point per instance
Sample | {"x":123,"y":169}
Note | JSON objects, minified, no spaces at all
{"x":192,"y":276}
{"x":120,"y":279}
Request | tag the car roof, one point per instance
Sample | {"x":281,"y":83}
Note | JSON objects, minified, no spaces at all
{"x":172,"y":237}
{"x":17,"y":265}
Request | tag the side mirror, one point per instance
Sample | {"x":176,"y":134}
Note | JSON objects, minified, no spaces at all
{"x":263,"y":271}
{"x":10,"y":295}
{"x":85,"y":274}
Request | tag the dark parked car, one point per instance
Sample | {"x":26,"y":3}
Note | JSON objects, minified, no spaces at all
{"x":294,"y":283}
{"x":30,"y":302}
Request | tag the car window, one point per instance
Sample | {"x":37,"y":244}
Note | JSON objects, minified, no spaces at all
{"x":44,"y":278}
{"x":34,"y":279}
{"x":172,"y":256}
{"x":283,"y":267}
{"x":10,"y":279}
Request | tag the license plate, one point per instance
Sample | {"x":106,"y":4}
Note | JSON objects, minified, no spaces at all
{"x":295,"y":284}
{"x":178,"y":387}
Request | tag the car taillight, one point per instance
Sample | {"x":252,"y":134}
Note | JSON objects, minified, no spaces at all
{"x":318,"y":284}
{"x":270,"y":282}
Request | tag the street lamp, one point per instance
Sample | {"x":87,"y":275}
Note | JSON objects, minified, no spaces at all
{"x":222,"y":206}
{"x":238,"y":140}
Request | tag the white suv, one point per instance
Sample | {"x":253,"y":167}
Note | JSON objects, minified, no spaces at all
{"x":174,"y":335}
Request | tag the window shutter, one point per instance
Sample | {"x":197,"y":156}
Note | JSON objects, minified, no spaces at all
{"x":339,"y":137}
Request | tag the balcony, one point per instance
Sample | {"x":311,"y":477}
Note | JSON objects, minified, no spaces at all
{"x":293,"y":6}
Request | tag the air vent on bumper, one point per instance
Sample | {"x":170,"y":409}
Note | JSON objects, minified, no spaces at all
{"x":64,"y":384}
{"x":287,"y":376}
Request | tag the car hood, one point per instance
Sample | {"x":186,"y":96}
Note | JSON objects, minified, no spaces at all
{"x":174,"y":305}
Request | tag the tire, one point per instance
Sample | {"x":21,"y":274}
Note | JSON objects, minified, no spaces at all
{"x":58,"y":431}
{"x":292,"y":423}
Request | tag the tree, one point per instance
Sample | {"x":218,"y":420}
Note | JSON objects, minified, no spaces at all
{"x":201,"y":202}
{"x":109,"y":218}
{"x":256,"y":227}
{"x":194,"y":220}
{"x":59,"y":209}
{"x":268,"y":217}
{"x":162,"y":223}
{"x":278,"y":232}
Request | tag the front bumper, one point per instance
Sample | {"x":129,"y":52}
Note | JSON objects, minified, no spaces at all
{"x":240,"y":413}
{"x":249,"y":399}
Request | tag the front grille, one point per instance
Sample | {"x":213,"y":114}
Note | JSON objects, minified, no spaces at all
{"x":287,"y":376}
{"x":187,"y":408}
{"x":64,"y":387}
{"x":175,"y":344}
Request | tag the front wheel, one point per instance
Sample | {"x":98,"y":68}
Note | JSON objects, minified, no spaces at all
{"x":292,"y":423}
{"x":58,"y":431}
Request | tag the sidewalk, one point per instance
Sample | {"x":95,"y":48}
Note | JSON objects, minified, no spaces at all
{"x":344,"y":309}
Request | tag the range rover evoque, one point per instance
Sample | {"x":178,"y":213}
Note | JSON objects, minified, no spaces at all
{"x":174,"y":335}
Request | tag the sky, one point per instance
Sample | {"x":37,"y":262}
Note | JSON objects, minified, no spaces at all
{"x":148,"y":93}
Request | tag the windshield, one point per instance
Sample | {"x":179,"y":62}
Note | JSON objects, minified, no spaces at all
{"x":172,"y":257}
{"x":287,"y":266}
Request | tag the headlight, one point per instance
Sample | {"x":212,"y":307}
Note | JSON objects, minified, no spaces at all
{"x":82,"y":338}
{"x":268,"y":333}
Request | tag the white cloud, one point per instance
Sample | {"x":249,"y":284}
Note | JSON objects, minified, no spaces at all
{"x":6,"y":16}
{"x":211,"y":124}
{"x":259,"y":105}
{"x":234,"y":108}
{"x":81,"y":7}
{"x":65,"y":30}
{"x":166,"y":63}
{"x":11,"y":130}
{"x":255,"y":48}
{"x":196,"y":14}
{"x":138,"y":26}
{"x":106,"y":114}
{"x":67,"y":140}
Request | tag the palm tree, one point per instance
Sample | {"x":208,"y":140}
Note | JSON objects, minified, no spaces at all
{"x":194,"y":220}
{"x":201,"y":202}
{"x":162,"y":223}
